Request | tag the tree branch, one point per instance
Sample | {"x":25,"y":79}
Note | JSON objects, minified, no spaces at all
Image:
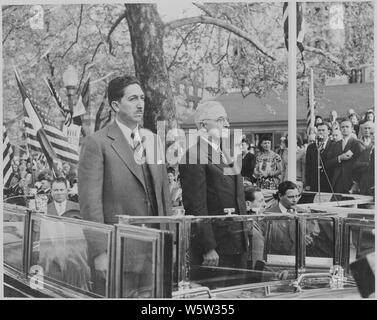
{"x":113,"y":27}
{"x":77,"y":34}
{"x":181,"y":44}
{"x":203,"y":8}
{"x":330,"y":57}
{"x":222,"y":24}
{"x":7,"y":35}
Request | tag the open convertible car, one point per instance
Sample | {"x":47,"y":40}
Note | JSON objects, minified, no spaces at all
{"x":301,"y":256}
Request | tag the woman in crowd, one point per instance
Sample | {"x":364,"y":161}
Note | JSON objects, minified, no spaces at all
{"x":268,"y":165}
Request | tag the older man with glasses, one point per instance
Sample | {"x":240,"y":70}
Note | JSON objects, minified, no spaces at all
{"x":209,"y":186}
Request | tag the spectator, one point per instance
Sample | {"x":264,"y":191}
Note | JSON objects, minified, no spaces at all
{"x":361,"y":164}
{"x":300,"y":162}
{"x":355,"y":123}
{"x":336,"y":135}
{"x":282,"y":232}
{"x":334,"y":124}
{"x":60,"y":203}
{"x":268,"y":165}
{"x":174,"y":188}
{"x":369,"y":115}
{"x":323,"y":145}
{"x":283,"y":153}
{"x":341,"y":158}
{"x":248,"y":161}
{"x":255,"y":202}
{"x":318,"y":120}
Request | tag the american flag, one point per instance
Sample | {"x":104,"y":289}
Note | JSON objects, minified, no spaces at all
{"x":7,"y":159}
{"x":82,"y":104}
{"x":103,"y":116}
{"x":311,"y":105}
{"x":299,"y":23}
{"x":43,"y":133}
{"x":63,"y":109}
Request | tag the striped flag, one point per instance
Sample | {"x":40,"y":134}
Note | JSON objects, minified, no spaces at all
{"x":103,"y":116}
{"x":311,"y":107}
{"x":7,"y":160}
{"x":43,"y":134}
{"x":63,"y":109}
{"x":299,"y":23}
{"x":82,"y":104}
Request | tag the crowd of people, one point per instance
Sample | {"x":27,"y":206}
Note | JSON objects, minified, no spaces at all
{"x":31,"y":175}
{"x":346,"y":161}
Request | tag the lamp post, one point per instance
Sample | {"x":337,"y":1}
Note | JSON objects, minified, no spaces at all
{"x":70,"y":80}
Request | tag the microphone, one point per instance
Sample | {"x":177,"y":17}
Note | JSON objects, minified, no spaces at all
{"x":320,"y":138}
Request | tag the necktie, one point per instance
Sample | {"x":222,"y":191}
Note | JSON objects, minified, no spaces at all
{"x":139,"y":150}
{"x":320,"y":146}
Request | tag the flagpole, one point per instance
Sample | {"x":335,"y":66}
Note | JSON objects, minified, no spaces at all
{"x":292,"y":85}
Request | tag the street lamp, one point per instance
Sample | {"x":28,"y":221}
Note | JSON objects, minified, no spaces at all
{"x":70,"y":79}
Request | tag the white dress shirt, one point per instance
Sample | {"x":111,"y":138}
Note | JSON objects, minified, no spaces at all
{"x":60,"y":207}
{"x":127,"y":132}
{"x":282,"y":208}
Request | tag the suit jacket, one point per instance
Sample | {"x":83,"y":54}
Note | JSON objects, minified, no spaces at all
{"x":248,"y":165}
{"x":342,"y":178}
{"x":311,"y":167}
{"x":282,"y":234}
{"x":361,"y":171}
{"x":111,"y":183}
{"x":51,"y":209}
{"x":206,"y":191}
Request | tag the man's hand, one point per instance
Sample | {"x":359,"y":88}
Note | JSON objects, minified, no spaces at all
{"x":211,"y":258}
{"x":307,"y":188}
{"x":345,"y":156}
{"x":308,"y":240}
{"x":101,"y":263}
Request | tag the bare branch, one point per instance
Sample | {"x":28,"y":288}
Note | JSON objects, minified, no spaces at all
{"x":222,"y":24}
{"x":330,"y":57}
{"x":7,"y":35}
{"x":113,"y":27}
{"x":103,"y":78}
{"x":77,"y":33}
{"x":89,"y":63}
{"x":203,"y":8}
{"x":181,"y":44}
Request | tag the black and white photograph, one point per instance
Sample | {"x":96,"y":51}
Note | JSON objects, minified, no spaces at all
{"x":188,"y":150}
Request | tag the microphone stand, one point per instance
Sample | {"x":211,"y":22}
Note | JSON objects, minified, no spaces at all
{"x":319,"y":172}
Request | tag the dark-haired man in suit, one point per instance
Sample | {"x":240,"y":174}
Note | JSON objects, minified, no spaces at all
{"x":323,"y":144}
{"x":60,"y":204}
{"x":122,"y":172}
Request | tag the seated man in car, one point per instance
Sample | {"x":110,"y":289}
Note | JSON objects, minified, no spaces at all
{"x":282,"y":233}
{"x":60,"y":205}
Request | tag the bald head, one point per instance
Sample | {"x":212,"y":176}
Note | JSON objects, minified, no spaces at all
{"x":211,"y":116}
